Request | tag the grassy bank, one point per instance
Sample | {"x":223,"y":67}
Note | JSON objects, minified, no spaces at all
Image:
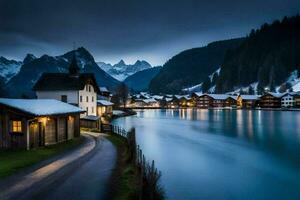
{"x":15,"y":160}
{"x":124,"y":184}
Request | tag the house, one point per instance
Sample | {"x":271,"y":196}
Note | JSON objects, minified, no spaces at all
{"x":290,"y":100}
{"x":271,"y":100}
{"x":202,"y":100}
{"x":79,"y":89}
{"x":104,"y":108}
{"x":231,"y":101}
{"x":145,"y":103}
{"x":296,"y":96}
{"x":104,"y":94}
{"x":287,"y":101}
{"x":220,"y":100}
{"x":30,"y":123}
{"x":247,"y":101}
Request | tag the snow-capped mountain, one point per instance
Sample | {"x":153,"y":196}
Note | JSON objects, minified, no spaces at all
{"x":32,"y":68}
{"x":121,"y":70}
{"x":8,"y":68}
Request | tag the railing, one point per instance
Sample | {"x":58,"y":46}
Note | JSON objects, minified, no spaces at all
{"x":150,"y":175}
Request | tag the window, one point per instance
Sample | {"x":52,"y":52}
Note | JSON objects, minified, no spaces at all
{"x":17,"y":126}
{"x":87,"y":99}
{"x":64,"y":98}
{"x":89,"y":88}
{"x":92,"y":99}
{"x":92,"y":109}
{"x":80,"y":98}
{"x":87,"y":110}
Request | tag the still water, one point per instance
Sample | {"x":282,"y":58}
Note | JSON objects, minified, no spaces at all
{"x":222,"y":154}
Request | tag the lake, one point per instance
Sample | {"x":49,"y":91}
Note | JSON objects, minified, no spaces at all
{"x":222,"y":154}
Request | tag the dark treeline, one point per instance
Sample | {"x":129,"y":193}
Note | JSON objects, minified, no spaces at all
{"x":268,"y":55}
{"x":191,"y":67}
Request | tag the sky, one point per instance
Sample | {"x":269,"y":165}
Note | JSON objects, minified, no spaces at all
{"x":152,"y":30}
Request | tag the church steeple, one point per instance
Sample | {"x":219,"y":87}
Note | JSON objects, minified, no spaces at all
{"x":74,"y":68}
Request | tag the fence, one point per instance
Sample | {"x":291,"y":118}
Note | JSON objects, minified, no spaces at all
{"x":150,"y":175}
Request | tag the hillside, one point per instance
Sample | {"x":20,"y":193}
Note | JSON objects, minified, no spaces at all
{"x":32,"y":68}
{"x":140,"y":81}
{"x":191,"y":67}
{"x":268,"y":56}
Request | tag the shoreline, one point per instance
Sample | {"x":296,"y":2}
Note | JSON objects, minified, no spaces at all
{"x":214,"y":108}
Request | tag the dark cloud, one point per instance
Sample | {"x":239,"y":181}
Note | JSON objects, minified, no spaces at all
{"x":129,"y":29}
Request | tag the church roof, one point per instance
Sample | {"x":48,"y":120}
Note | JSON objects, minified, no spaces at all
{"x":65,"y":81}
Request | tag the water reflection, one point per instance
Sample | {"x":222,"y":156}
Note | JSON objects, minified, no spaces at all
{"x":222,"y":154}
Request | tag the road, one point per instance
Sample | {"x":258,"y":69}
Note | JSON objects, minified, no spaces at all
{"x":80,"y":174}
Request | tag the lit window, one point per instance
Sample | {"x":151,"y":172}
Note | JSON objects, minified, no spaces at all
{"x":17,"y":126}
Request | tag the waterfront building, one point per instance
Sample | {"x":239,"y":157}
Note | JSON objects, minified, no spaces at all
{"x":31,"y":123}
{"x":247,"y":101}
{"x":271,"y":100}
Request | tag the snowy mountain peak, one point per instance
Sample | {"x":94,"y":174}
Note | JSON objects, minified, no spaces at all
{"x":28,"y":58}
{"x":8,"y":68}
{"x":121,"y":70}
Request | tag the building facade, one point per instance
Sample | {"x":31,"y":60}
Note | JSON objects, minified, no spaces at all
{"x":34,"y":123}
{"x":79,"y":89}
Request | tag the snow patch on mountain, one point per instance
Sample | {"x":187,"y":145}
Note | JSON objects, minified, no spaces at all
{"x":121,"y":70}
{"x":9,"y":68}
{"x":215,"y":72}
{"x":195,"y":88}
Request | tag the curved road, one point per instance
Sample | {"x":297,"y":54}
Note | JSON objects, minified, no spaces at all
{"x":80,"y":174}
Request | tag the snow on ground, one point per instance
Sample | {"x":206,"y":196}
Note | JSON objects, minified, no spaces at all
{"x":212,"y":75}
{"x":195,"y":88}
{"x":212,"y":89}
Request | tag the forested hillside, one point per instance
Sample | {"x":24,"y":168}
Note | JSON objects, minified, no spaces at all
{"x":191,"y":67}
{"x":267,"y":56}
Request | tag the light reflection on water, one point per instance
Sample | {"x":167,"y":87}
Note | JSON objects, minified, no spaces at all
{"x":222,"y":154}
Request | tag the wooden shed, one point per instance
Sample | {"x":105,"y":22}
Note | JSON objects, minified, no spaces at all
{"x":32,"y":123}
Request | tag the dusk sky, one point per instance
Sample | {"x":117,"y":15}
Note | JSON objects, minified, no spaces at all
{"x":111,"y":30}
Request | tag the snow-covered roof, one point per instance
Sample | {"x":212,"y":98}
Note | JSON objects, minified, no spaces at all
{"x":278,"y":95}
{"x":198,"y":94}
{"x":90,"y":118}
{"x":157,"y":97}
{"x":249,"y":97}
{"x":149,"y":100}
{"x":104,"y":103}
{"x":41,"y":107}
{"x":219,"y":96}
{"x":103,"y":89}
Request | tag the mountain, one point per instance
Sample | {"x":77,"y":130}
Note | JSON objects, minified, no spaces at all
{"x":121,"y":70}
{"x":140,"y":80}
{"x":8,"y":68}
{"x":21,"y":84}
{"x":268,"y":56}
{"x":191,"y":67}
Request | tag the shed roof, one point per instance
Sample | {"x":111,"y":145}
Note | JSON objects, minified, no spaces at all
{"x":41,"y":107}
{"x":104,"y":103}
{"x":90,"y":118}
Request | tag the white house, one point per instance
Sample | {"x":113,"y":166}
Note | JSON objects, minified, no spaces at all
{"x":79,"y":89}
{"x":287,"y":100}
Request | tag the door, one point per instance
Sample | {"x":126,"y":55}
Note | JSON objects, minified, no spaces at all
{"x":50,"y":132}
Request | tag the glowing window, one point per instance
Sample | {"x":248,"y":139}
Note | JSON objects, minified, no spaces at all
{"x":16,"y":126}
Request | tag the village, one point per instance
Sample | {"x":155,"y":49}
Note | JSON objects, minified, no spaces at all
{"x":270,"y":100}
{"x":67,"y":102}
